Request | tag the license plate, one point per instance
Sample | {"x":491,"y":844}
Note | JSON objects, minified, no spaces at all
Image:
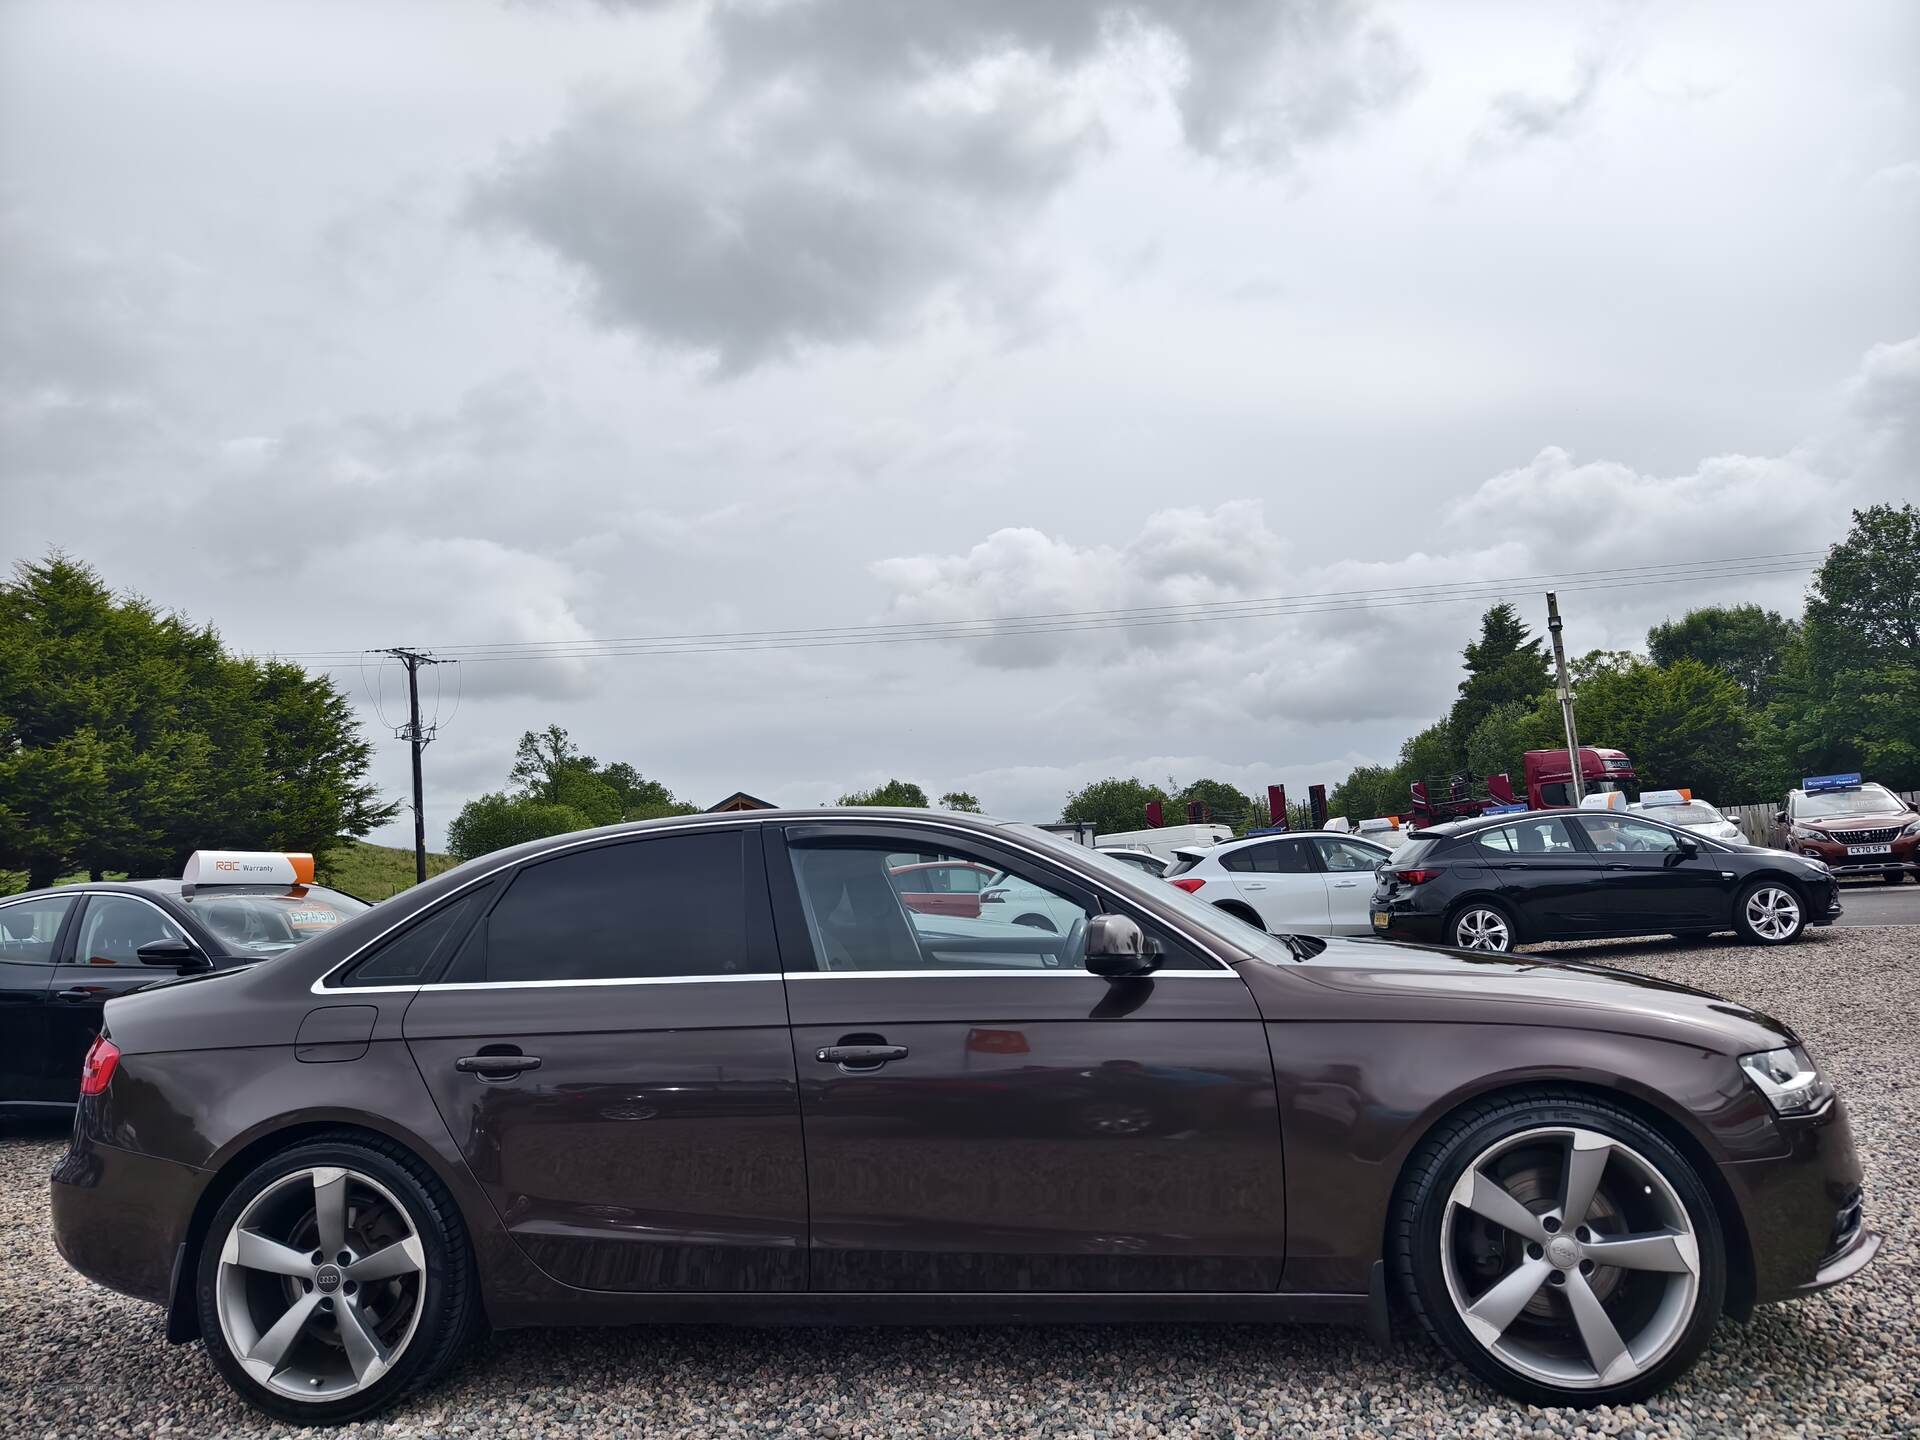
{"x":1869,"y":849}
{"x":1379,"y":919}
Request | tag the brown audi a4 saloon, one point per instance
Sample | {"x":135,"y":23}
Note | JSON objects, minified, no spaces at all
{"x":714,"y":1069}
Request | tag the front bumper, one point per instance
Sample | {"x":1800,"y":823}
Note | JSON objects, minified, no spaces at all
{"x":1804,"y":1210}
{"x":119,"y":1218}
{"x":1903,"y":855}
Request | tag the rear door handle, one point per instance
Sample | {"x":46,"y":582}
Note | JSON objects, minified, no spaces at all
{"x":496,"y":1067}
{"x":1252,"y":885}
{"x":78,"y":995}
{"x":859,"y":1057}
{"x":1345,"y":884}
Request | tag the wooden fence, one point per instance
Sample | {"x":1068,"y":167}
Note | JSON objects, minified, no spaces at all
{"x":1755,"y":821}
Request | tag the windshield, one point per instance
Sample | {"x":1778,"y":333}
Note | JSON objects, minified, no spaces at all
{"x":1868,"y":800}
{"x":269,"y":921}
{"x":1272,"y":948}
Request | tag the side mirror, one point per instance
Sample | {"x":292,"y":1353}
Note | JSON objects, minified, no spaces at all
{"x":993,"y":895}
{"x":1779,"y":817}
{"x":1688,"y":848}
{"x":1118,"y":947}
{"x":173,"y":954}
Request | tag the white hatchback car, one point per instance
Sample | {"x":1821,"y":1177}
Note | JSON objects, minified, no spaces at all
{"x":1314,"y":882}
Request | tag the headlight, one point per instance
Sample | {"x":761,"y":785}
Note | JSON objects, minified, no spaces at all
{"x":1788,"y":1079}
{"x":1913,"y":829}
{"x":1805,"y":832}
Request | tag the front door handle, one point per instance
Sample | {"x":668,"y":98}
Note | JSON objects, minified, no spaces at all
{"x":1345,"y":884}
{"x":497,"y":1067}
{"x":859,"y":1057}
{"x":79,"y":996}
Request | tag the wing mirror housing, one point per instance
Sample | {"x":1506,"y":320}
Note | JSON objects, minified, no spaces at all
{"x":1117,"y":947}
{"x":1779,"y":817}
{"x":993,"y":895}
{"x":179,"y":955}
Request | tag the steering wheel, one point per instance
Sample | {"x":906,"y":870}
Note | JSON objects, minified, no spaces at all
{"x":1075,"y":941}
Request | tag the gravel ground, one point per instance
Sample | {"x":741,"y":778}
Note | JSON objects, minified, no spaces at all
{"x":76,"y":1360}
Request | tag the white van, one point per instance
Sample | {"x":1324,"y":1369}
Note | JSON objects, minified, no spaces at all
{"x":1166,"y":839}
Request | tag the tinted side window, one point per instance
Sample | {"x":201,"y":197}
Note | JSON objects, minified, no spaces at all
{"x":648,"y":909}
{"x":1346,"y":855}
{"x":28,"y":930}
{"x":416,"y":955}
{"x":115,"y":928}
{"x":1616,"y":834}
{"x":1286,"y":857}
{"x":1546,"y":836}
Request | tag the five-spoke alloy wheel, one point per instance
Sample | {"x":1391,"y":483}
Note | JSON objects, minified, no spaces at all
{"x":332,"y":1278}
{"x":1563,"y":1250}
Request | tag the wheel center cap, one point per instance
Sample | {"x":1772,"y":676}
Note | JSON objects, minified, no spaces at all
{"x":327,"y":1279}
{"x":1563,"y":1252}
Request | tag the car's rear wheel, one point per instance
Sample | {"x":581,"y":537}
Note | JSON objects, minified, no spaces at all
{"x":1893,"y":877}
{"x":1769,"y":913}
{"x":1561,"y":1249}
{"x":1481,"y":925}
{"x":1244,"y":913}
{"x":333,"y":1278}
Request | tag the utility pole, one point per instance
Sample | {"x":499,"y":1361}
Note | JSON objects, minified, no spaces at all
{"x":419,"y":738}
{"x":1566,"y":696}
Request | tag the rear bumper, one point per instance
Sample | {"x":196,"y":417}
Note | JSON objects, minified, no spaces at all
{"x":119,"y":1218}
{"x":1404,"y":923}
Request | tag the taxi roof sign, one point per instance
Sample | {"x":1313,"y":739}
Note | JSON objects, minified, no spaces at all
{"x":1830,"y":782}
{"x":1604,"y":800}
{"x":247,"y":867}
{"x":1649,"y":799}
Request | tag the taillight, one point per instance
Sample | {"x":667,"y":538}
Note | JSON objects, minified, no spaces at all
{"x":97,"y":1069}
{"x":1414,"y":877}
{"x":1189,"y":885}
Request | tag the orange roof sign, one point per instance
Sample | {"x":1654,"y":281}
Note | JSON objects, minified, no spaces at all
{"x":247,"y":867}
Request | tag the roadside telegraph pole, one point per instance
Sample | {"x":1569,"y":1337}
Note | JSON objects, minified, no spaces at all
{"x":1564,"y":685}
{"x":419,"y":737}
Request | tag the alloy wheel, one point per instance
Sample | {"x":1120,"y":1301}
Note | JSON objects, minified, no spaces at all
{"x":1482,"y":930}
{"x":319,"y":1284}
{"x":1773,"y":912}
{"x":1570,"y":1257}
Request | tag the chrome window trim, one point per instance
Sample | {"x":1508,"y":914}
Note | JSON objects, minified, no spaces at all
{"x":999,"y":836}
{"x":956,"y":974}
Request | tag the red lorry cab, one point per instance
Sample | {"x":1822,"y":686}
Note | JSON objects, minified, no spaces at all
{"x":1550,"y":778}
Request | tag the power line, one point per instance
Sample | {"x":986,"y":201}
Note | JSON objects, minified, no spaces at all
{"x":1145,"y":617}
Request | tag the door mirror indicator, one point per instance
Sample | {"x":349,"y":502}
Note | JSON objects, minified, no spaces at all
{"x":1118,"y":947}
{"x":173,"y":954}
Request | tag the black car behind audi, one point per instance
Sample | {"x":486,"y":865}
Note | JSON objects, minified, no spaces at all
{"x":1500,"y":881}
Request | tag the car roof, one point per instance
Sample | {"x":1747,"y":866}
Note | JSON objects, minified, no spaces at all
{"x":169,"y":888}
{"x":1298,"y":835}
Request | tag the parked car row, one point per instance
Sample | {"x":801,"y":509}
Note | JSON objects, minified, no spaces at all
{"x":774,"y":1066}
{"x":1853,"y":827}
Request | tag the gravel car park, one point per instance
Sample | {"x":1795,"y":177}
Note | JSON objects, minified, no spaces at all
{"x":84,"y":1361}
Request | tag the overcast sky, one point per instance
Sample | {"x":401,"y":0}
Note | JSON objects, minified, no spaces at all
{"x":359,"y":324}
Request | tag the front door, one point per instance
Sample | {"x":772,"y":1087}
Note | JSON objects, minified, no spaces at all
{"x":1648,"y":882}
{"x":30,"y":937}
{"x":103,"y":961}
{"x":1281,"y":880}
{"x":609,"y":1048}
{"x":1546,"y":876}
{"x":1348,"y":867}
{"x":982,"y":1114}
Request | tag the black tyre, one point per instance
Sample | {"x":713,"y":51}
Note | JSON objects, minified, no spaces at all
{"x":334,"y":1278}
{"x":1769,"y":912}
{"x":1893,"y":877}
{"x":1560,"y":1248}
{"x":1482,"y":925}
{"x":1037,"y":922}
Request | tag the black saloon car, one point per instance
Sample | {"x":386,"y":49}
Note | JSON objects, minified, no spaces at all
{"x":66,"y":950}
{"x":1500,"y":881}
{"x":715,"y":1068}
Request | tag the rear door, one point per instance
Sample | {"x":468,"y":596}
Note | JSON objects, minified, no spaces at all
{"x":1281,"y":880}
{"x":31,"y":933}
{"x":609,"y":1048}
{"x":982,"y":1114}
{"x":1546,"y":875}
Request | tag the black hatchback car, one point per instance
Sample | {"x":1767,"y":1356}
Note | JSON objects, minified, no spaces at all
{"x":1501,"y":881}
{"x":68,"y":949}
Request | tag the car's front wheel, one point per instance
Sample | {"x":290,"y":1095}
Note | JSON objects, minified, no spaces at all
{"x":1769,"y":913}
{"x":1561,"y":1249}
{"x":334,"y":1277}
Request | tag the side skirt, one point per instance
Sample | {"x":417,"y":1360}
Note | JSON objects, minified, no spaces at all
{"x":602,"y":1307}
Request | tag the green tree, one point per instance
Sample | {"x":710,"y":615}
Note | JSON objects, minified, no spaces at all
{"x":641,"y":798}
{"x":1499,"y":743}
{"x":1225,"y":804}
{"x":960,"y":800}
{"x":1505,"y":666}
{"x":493,"y":822}
{"x":129,"y":738}
{"x":1368,"y":791}
{"x":542,"y":759}
{"x":1747,"y":642}
{"x":902,"y":794}
{"x":1115,"y":804}
{"x":1687,"y":723}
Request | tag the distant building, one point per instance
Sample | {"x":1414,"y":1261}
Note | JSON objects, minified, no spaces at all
{"x":740,"y":800}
